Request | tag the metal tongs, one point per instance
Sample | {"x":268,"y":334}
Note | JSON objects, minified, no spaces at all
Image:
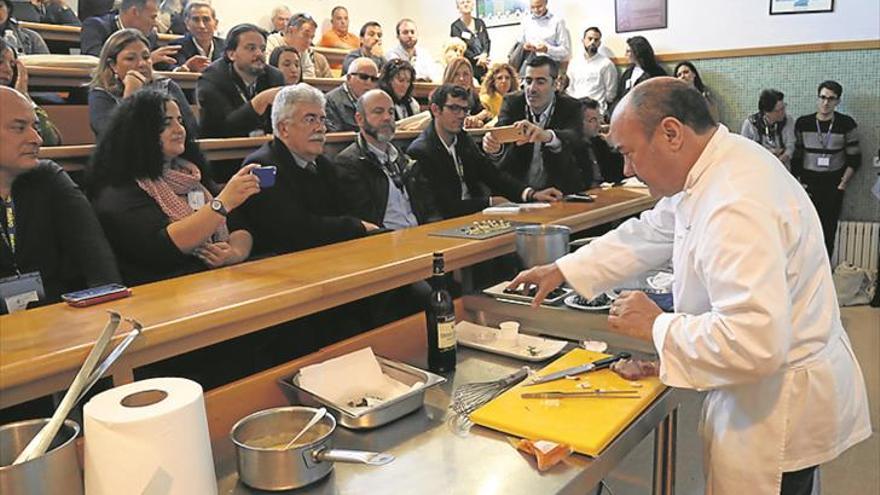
{"x":84,"y":380}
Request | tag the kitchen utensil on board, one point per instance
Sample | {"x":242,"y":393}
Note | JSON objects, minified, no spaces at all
{"x":469,"y":397}
{"x":317,"y":417}
{"x":596,"y":394}
{"x":577,"y":370}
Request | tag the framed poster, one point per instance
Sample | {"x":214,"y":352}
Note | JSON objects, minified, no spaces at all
{"x":800,"y":6}
{"x":497,"y":13}
{"x":638,"y":15}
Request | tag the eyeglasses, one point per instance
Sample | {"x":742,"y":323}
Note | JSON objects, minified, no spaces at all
{"x":365,"y":77}
{"x":828,"y":98}
{"x":457,"y":109}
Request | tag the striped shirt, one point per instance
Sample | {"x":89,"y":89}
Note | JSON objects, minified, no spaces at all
{"x":826,"y":146}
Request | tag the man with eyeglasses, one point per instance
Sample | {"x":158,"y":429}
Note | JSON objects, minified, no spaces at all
{"x":371,"y":46}
{"x":551,"y":127}
{"x":771,"y":126}
{"x":302,"y":209}
{"x":361,"y":77}
{"x":299,"y":34}
{"x":407,"y":36}
{"x":827,"y":156}
{"x":462,"y":179}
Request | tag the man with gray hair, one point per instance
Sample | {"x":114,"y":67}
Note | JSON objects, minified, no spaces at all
{"x":299,"y":33}
{"x":136,"y":14}
{"x":199,"y":47}
{"x":361,"y":77}
{"x":279,"y":18}
{"x":756,"y":321}
{"x":301,"y":210}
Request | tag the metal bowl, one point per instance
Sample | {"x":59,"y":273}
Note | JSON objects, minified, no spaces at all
{"x":56,"y":471}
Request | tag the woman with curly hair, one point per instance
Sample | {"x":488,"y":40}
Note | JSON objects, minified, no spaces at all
{"x":398,"y":80}
{"x":150,"y":188}
{"x":500,"y":80}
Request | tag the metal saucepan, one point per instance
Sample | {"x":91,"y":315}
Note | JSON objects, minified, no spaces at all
{"x":56,"y":471}
{"x":264,"y":462}
{"x":541,"y":244}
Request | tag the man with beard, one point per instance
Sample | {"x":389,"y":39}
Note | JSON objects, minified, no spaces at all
{"x":594,"y":74}
{"x":426,"y":68}
{"x":361,"y":77}
{"x":301,"y":210}
{"x":236,"y":92}
{"x":551,"y":125}
{"x":598,"y":162}
{"x":461,"y":178}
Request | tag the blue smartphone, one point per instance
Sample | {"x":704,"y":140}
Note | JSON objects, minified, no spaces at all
{"x":266,"y":175}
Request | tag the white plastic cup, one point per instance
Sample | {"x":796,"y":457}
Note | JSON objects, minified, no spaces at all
{"x":509,"y":332}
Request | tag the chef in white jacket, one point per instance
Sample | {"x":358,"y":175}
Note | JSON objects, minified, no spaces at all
{"x":756,"y":320}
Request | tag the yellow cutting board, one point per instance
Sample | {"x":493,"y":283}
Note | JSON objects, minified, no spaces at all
{"x":587,"y":424}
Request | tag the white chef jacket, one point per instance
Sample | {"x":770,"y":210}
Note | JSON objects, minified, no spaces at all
{"x":756,"y":319}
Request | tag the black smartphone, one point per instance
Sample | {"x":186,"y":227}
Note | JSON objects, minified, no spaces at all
{"x":96,"y":295}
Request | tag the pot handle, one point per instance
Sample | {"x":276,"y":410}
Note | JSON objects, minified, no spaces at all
{"x":353,"y":456}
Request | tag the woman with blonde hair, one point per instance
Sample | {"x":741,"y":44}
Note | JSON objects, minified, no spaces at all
{"x":500,"y":80}
{"x":124,"y":67}
{"x":460,"y":73}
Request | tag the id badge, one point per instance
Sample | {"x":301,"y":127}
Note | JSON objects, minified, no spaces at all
{"x":465,"y":35}
{"x":196,"y":199}
{"x":17,"y":291}
{"x":823,"y":161}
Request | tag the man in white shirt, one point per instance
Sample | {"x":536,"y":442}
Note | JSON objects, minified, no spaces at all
{"x":544,"y":33}
{"x":756,"y":320}
{"x":407,"y":36}
{"x":593,"y":75}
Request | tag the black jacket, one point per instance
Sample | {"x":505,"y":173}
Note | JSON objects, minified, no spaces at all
{"x":52,"y":13}
{"x":188,"y":49}
{"x":477,"y":42}
{"x":566,"y":121}
{"x":57,"y":234}
{"x":96,"y":30}
{"x":226,"y":111}
{"x":91,"y":8}
{"x":302,"y":210}
{"x":364,"y":185}
{"x":440,"y":175}
{"x":610,"y":162}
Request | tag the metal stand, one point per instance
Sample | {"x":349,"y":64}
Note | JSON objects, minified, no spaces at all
{"x":664,"y":455}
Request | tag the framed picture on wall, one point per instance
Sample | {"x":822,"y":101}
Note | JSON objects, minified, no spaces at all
{"x":497,"y":13}
{"x":800,"y":6}
{"x":639,"y":15}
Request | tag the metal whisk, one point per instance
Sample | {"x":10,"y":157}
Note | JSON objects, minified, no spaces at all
{"x":469,"y":397}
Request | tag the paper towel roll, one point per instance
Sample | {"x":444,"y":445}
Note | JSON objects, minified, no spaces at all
{"x":149,"y":437}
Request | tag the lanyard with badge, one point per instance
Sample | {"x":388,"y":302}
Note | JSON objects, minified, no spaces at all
{"x":824,"y":140}
{"x":18,"y":290}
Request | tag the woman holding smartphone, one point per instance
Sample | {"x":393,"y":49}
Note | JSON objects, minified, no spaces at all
{"x":161,"y":212}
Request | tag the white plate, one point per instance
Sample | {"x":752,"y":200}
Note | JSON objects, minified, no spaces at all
{"x":472,"y":335}
{"x":570,"y":302}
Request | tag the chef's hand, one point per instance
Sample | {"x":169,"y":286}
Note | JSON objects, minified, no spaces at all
{"x":633,"y":314}
{"x":546,"y":277}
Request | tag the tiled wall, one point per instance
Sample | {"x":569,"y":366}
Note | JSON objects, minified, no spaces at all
{"x":736,"y":83}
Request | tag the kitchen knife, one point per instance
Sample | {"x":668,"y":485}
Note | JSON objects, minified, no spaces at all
{"x":577,"y":370}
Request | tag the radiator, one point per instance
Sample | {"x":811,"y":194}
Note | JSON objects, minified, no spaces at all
{"x":857,"y":243}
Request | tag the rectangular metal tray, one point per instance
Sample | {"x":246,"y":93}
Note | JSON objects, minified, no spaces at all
{"x":461,"y":232}
{"x":373,"y":417}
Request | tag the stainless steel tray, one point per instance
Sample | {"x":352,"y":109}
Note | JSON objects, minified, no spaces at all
{"x":373,"y":417}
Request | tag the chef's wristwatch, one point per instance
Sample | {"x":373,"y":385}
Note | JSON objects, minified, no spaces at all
{"x":217,"y":206}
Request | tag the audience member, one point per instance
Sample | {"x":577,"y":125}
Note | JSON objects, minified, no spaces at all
{"x":24,"y":41}
{"x":426,"y":68}
{"x":551,"y":124}
{"x":46,"y":11}
{"x":642,"y":66}
{"x":171,"y":18}
{"x":302,"y":210}
{"x":398,"y":80}
{"x":772,"y":126}
{"x":150,"y":188}
{"x":598,"y":162}
{"x":472,"y":30}
{"x":13,"y":74}
{"x":362,"y":76}
{"x":371,"y":46}
{"x":827,"y":156}
{"x":92,"y":8}
{"x":687,"y":71}
{"x":124,"y":69}
{"x":452,"y":49}
{"x":236,"y":92}
{"x":200,"y":46}
{"x":500,"y":80}
{"x":338,"y":35}
{"x":376,"y":180}
{"x":594,"y":74}
{"x":562,"y":83}
{"x":299,"y":34}
{"x":461,"y":178}
{"x":279,"y":18}
{"x":543,"y":33}
{"x":135,"y":14}
{"x":286,"y":60}
{"x":50,"y":241}
{"x":460,"y":73}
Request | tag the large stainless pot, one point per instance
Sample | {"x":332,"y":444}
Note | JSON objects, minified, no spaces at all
{"x":541,"y":244}
{"x":263,"y":466}
{"x":56,"y":471}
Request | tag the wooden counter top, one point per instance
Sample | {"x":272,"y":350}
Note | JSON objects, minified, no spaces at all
{"x":41,"y":349}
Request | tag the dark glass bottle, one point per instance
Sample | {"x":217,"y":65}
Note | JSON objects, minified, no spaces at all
{"x":441,"y":322}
